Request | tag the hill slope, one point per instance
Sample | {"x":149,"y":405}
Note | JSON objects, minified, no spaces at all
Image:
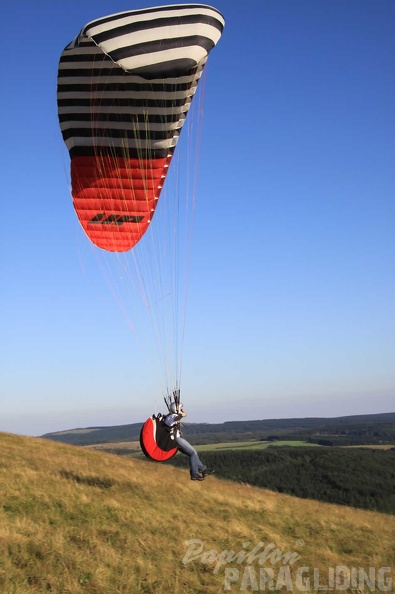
{"x":77,"y":521}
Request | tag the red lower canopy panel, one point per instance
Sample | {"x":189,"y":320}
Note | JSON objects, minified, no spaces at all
{"x":115,"y":198}
{"x":155,"y":441}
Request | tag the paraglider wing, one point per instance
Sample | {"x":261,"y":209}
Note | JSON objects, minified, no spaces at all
{"x":125,"y":85}
{"x":155,"y":440}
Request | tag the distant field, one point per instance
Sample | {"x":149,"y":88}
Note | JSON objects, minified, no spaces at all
{"x":133,"y":447}
{"x":123,"y":448}
{"x":119,"y":445}
{"x":250,"y":445}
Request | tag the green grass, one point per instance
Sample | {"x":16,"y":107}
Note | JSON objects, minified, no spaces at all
{"x":250,"y":445}
{"x":133,"y":447}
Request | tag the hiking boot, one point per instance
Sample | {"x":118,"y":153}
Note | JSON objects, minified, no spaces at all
{"x":207,"y":471}
{"x":197,"y":477}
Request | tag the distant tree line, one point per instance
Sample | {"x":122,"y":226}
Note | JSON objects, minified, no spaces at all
{"x":353,"y":430}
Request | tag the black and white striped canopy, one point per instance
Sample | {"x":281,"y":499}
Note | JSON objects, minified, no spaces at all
{"x":126,"y":82}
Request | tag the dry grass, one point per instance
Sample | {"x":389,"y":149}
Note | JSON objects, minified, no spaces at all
{"x":77,"y":521}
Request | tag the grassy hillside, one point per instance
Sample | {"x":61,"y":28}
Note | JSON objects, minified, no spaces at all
{"x":77,"y":521}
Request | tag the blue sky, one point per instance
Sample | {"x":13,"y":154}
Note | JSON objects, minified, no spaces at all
{"x":291,"y":300}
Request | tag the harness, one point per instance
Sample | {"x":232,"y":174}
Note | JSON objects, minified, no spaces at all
{"x":171,"y":429}
{"x":158,"y":440}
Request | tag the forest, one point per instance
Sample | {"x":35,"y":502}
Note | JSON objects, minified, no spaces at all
{"x":362,"y":478}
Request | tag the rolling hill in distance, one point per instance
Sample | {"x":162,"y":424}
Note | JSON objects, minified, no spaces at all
{"x":74,"y":520}
{"x":356,"y":428}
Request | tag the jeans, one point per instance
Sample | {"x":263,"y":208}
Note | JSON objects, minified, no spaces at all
{"x":195,"y":464}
